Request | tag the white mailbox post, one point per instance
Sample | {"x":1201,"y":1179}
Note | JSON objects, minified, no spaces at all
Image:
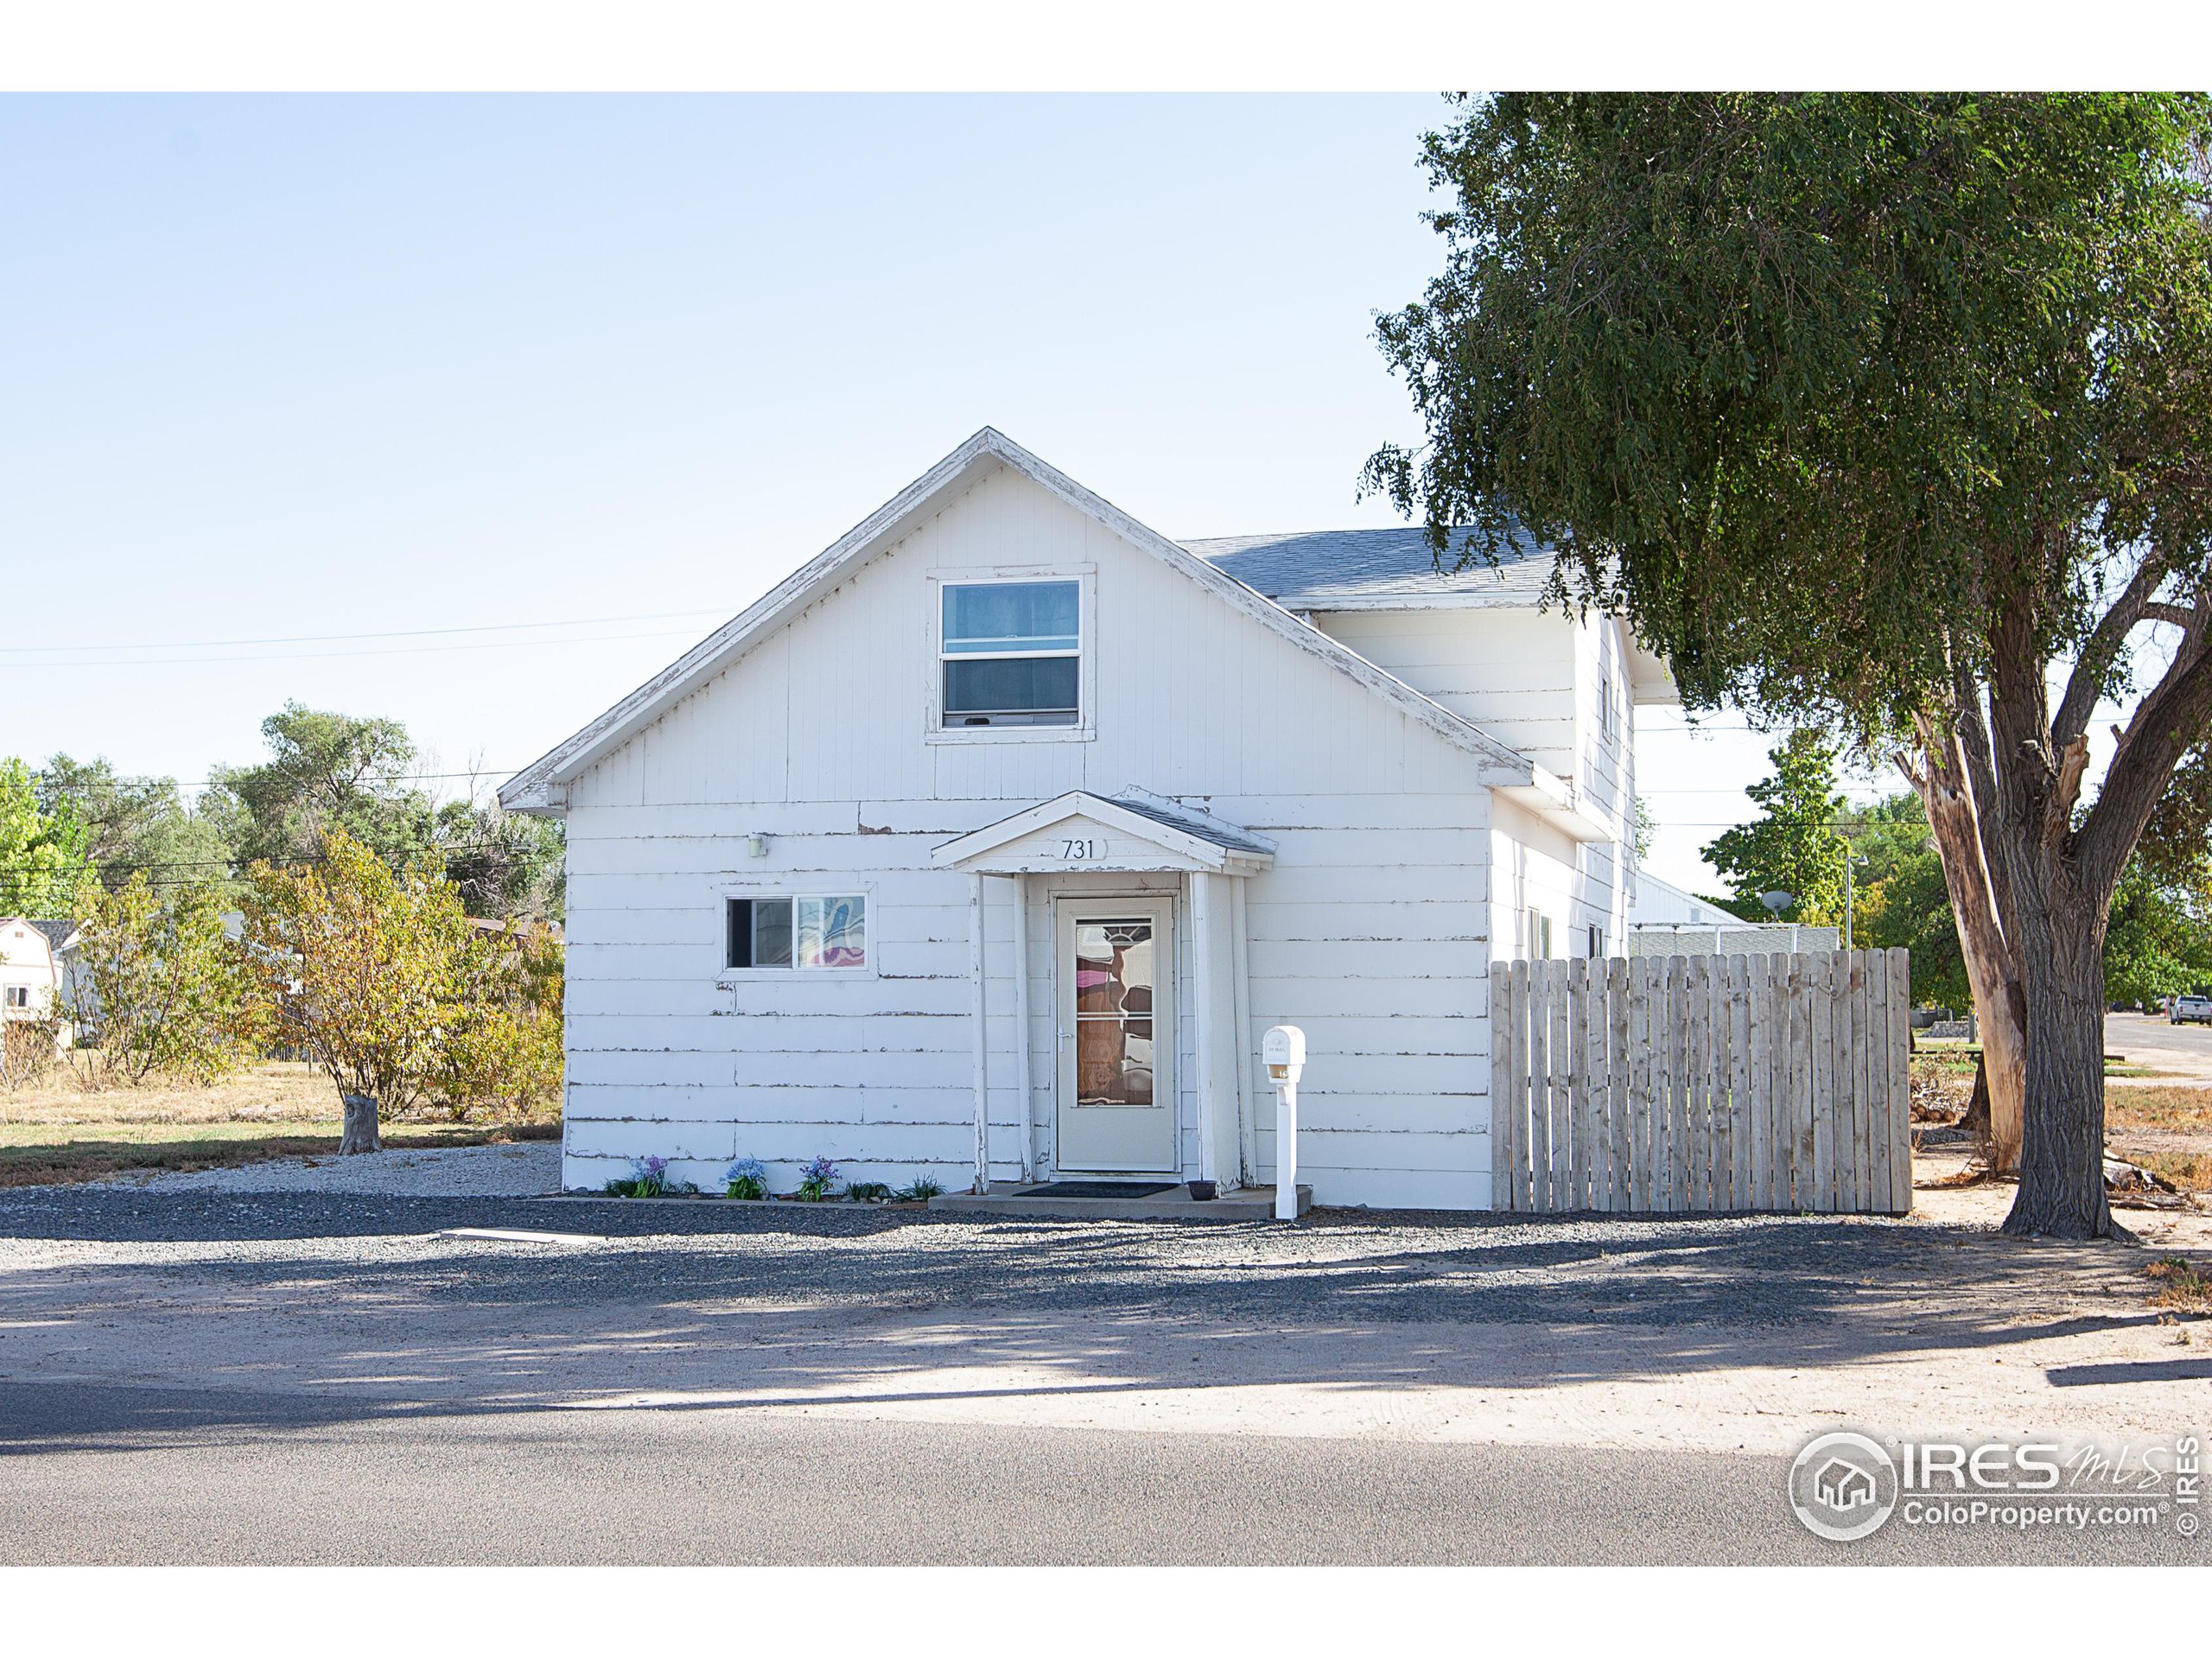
{"x":1284,"y":1050}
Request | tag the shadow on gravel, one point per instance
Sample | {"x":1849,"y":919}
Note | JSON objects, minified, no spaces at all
{"x":744,"y":1307}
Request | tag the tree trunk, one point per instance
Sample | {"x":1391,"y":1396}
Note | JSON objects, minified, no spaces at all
{"x":1992,"y":965}
{"x":360,"y":1133}
{"x":2062,"y":1162}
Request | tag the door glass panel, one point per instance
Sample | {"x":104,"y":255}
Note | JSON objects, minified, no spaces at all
{"x":1113,"y":1063}
{"x":1113,"y":978}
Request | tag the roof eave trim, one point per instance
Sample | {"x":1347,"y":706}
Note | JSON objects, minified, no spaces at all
{"x":722,"y":648}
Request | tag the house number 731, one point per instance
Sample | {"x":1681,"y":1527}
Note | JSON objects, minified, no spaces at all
{"x":1092,"y":848}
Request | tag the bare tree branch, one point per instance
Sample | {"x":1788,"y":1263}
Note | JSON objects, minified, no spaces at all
{"x":2086,"y":683}
{"x":2166,"y":724}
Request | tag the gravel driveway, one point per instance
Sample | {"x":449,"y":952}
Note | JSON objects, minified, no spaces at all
{"x":522,"y":1169}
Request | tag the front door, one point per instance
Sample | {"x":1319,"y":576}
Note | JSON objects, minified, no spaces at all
{"x":1114,"y":971}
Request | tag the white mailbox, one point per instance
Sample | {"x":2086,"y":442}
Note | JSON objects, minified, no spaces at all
{"x":1284,"y":1050}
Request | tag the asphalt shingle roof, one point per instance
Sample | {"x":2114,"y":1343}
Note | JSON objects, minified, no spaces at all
{"x":1316,"y":566}
{"x":1194,"y":823}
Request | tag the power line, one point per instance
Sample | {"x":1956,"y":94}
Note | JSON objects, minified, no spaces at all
{"x":120,"y":779}
{"x":397,"y":634}
{"x":321,"y":655}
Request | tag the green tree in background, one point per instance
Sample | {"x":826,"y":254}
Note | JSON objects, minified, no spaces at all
{"x":1901,"y":898}
{"x":2160,"y":942}
{"x":325,"y":773}
{"x":43,"y":867}
{"x":135,"y":824}
{"x":1793,"y":844}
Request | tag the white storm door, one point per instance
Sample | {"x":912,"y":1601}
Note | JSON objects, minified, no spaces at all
{"x":1113,"y":971}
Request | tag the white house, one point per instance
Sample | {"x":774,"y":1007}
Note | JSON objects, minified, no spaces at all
{"x":34,"y":966}
{"x":987,"y":844}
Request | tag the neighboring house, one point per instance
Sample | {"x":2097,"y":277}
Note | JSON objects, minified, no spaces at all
{"x":37,"y":959}
{"x":1187,"y":790}
{"x":1665,"y":921}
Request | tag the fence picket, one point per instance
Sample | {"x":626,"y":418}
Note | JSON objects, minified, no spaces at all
{"x":1895,"y":1050}
{"x":1739,"y":1084}
{"x":1616,"y":1002}
{"x":1641,"y":970}
{"x":1577,"y":1163}
{"x":1700,"y":1085}
{"x":1539,"y":1089}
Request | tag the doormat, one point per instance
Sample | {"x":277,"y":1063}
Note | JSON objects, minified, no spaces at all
{"x":1097,"y":1190}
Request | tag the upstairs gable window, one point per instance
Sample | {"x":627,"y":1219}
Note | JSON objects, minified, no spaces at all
{"x":1010,"y":653}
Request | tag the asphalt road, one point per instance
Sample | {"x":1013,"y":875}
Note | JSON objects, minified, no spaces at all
{"x":123,"y":1475}
{"x":2182,"y":1054}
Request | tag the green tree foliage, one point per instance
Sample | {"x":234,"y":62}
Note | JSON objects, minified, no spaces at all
{"x":43,"y":867}
{"x":160,"y":988}
{"x":2159,"y":943}
{"x":1876,"y":412}
{"x":1793,"y":844}
{"x":1643,"y":829}
{"x":1901,"y":898}
{"x":135,"y":824}
{"x":382,"y":978}
{"x":326,"y":773}
{"x":329,"y":773}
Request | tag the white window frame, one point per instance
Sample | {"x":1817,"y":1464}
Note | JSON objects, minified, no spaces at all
{"x":794,"y":891}
{"x":18,"y":996}
{"x":1086,"y":729}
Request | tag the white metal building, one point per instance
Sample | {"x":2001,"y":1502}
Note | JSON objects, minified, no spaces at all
{"x":989,"y":843}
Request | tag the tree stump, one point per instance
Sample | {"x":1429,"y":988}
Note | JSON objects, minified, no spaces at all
{"x":360,"y":1133}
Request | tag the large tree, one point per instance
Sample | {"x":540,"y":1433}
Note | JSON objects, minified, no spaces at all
{"x":326,"y":773}
{"x":1885,"y":412}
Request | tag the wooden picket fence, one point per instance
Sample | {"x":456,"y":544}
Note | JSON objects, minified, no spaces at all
{"x":1738,"y":1082}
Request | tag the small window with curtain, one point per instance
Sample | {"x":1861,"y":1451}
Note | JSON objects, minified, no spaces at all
{"x":1010,"y":653}
{"x":797,"y":931}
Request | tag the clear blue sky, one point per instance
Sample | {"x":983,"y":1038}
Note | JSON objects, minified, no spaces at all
{"x":305,"y":365}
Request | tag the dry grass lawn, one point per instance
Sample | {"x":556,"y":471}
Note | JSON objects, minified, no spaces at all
{"x":2165,"y":1127}
{"x":57,"y":1131}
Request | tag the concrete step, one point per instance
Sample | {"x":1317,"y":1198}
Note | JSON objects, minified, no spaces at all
{"x":1245,"y":1204}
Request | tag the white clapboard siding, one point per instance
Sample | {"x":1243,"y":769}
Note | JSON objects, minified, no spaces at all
{"x":1374,"y":928}
{"x":1703,"y":1084}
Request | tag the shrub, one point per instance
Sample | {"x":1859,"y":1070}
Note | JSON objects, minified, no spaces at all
{"x":920,"y":1189}
{"x":816,"y":1180}
{"x":747,"y":1179}
{"x":160,"y":988}
{"x":868,"y":1191}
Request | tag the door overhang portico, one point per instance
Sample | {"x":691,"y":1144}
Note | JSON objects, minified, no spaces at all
{"x":1081,"y":836}
{"x":1082,"y":831}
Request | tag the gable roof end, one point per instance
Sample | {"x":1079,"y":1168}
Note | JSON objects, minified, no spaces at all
{"x":541,"y":786}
